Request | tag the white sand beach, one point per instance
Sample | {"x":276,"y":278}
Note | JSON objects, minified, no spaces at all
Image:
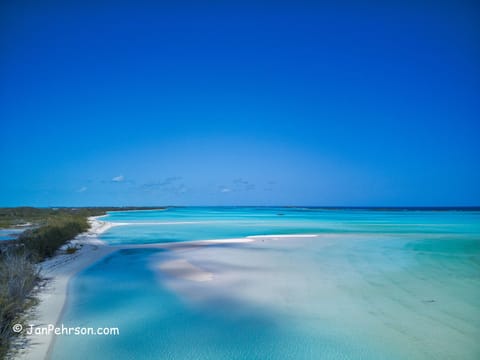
{"x":58,"y":270}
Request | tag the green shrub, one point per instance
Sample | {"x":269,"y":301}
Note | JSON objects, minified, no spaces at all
{"x":72,"y":249}
{"x":45,"y":240}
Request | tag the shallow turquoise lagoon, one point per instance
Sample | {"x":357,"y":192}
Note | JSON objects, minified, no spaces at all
{"x":184,"y":224}
{"x":373,"y":285}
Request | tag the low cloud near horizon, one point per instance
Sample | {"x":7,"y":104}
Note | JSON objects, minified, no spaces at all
{"x":118,"y":178}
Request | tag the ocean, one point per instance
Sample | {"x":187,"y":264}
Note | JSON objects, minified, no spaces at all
{"x":372,"y":284}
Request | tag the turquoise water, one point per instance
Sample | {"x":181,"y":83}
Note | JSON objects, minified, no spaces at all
{"x":374,"y":285}
{"x":10,"y":234}
{"x":184,"y":224}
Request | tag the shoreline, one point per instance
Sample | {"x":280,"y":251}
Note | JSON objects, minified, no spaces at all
{"x":52,"y":296}
{"x":58,"y":271}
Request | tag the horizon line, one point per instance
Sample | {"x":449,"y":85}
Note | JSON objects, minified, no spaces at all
{"x":154,"y":207}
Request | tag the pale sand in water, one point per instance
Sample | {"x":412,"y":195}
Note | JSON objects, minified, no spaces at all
{"x":181,"y":268}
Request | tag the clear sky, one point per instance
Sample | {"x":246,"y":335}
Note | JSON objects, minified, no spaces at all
{"x":239,"y":103}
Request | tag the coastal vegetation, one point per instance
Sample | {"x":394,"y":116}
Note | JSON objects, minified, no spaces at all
{"x":46,"y":230}
{"x":22,"y":216}
{"x":44,"y":241}
{"x":18,"y":279}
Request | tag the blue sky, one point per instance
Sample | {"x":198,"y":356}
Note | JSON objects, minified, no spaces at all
{"x":239,"y":103}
